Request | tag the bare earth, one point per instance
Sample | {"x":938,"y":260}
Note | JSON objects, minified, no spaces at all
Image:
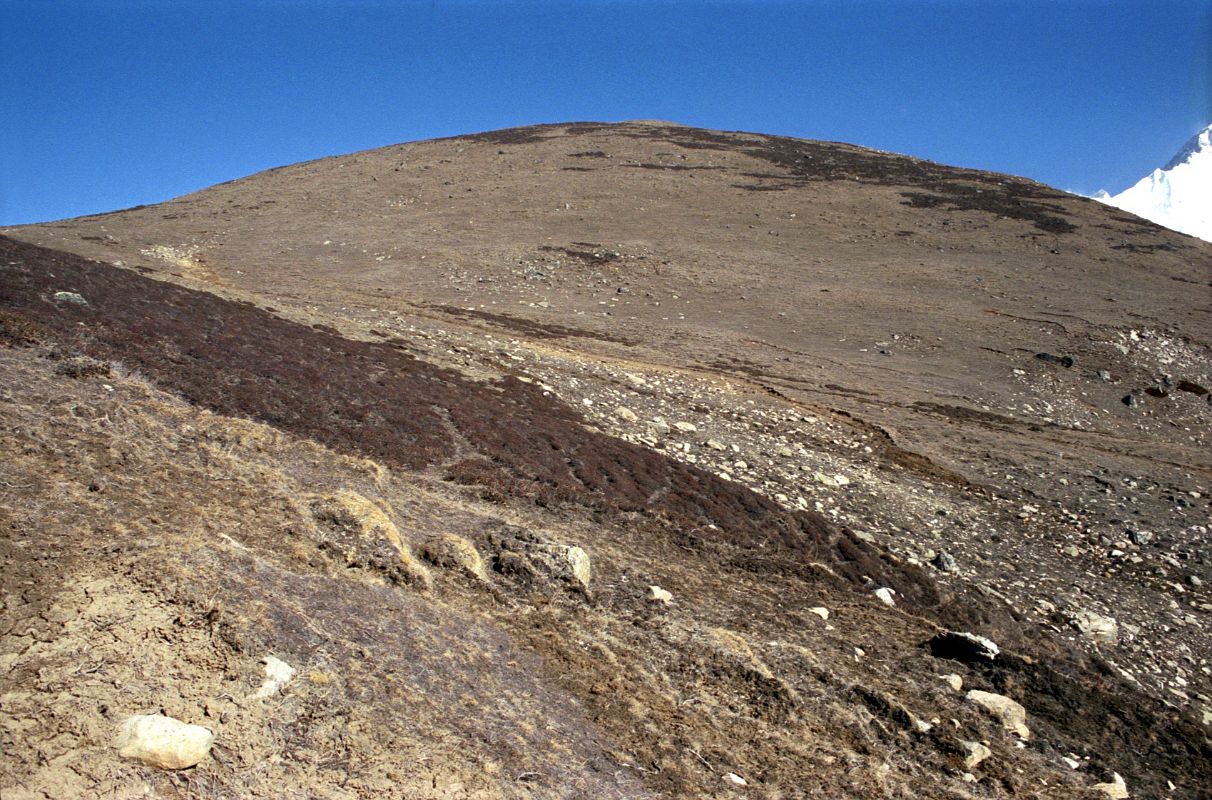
{"x":358,"y":415}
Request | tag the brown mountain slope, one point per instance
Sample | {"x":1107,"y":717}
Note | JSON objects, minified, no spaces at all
{"x":738,"y":321}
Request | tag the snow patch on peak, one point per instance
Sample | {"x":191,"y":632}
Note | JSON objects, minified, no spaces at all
{"x":1178,"y":195}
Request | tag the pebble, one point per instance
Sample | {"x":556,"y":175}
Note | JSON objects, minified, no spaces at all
{"x":163,"y":742}
{"x":685,"y":427}
{"x":735,"y":779}
{"x":886,"y":596}
{"x":821,"y":612}
{"x":954,"y":681}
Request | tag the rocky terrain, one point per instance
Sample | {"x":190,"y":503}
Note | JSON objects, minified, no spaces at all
{"x":593,"y":460}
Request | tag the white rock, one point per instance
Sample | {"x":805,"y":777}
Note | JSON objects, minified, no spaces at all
{"x":626,"y":414}
{"x":824,"y":479}
{"x":685,"y":427}
{"x":1096,"y":627}
{"x":1071,"y":763}
{"x":71,"y":297}
{"x":277,"y":674}
{"x":163,"y":741}
{"x":1117,"y":789}
{"x":658,"y":595}
{"x":841,"y":480}
{"x":977,"y":753}
{"x":578,"y":562}
{"x":886,"y":596}
{"x":733,"y":778}
{"x":1011,"y":713}
{"x":954,"y":681}
{"x":821,"y":612}
{"x":716,"y":445}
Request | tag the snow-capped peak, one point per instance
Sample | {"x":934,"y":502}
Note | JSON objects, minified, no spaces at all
{"x":1178,"y":195}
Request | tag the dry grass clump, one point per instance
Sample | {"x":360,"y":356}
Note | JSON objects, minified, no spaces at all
{"x":358,"y":528}
{"x":452,"y":551}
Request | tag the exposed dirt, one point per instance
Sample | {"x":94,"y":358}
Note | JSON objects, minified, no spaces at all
{"x":767,"y":375}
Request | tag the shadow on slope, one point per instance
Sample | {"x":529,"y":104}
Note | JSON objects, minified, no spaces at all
{"x":373,"y":400}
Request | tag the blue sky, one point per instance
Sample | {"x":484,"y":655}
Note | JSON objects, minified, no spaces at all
{"x":109,"y":104}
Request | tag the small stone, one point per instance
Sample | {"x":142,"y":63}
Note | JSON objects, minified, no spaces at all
{"x":277,"y":674}
{"x":944,"y":562}
{"x":70,"y":297}
{"x":1195,"y":580}
{"x":658,"y":595}
{"x":886,"y":596}
{"x":977,"y":753}
{"x":823,"y":479}
{"x":685,"y":427}
{"x":1139,"y":537}
{"x":578,"y":562}
{"x":841,"y":480}
{"x":1116,"y":789}
{"x":821,"y":612}
{"x":1011,"y":713}
{"x":735,"y":779}
{"x":1104,"y":376}
{"x":626,"y":414}
{"x":1096,"y":627}
{"x":1130,"y":400}
{"x":954,"y":681}
{"x":1071,"y":763}
{"x":715,"y":445}
{"x":163,"y":742}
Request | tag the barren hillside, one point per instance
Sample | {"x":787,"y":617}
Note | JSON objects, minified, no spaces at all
{"x":598,"y":460}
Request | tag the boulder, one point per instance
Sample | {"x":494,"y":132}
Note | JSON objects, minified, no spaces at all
{"x":1116,"y":789}
{"x":976,"y":753}
{"x":1011,"y":713}
{"x":578,"y":562}
{"x":163,"y":742}
{"x":966,"y":647}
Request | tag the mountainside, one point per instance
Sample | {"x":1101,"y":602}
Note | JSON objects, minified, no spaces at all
{"x":609,"y":460}
{"x":1178,"y":195}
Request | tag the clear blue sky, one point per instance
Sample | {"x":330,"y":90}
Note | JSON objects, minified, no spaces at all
{"x":108,"y":104}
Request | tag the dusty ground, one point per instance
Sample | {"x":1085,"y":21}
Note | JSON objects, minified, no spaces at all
{"x":496,"y":336}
